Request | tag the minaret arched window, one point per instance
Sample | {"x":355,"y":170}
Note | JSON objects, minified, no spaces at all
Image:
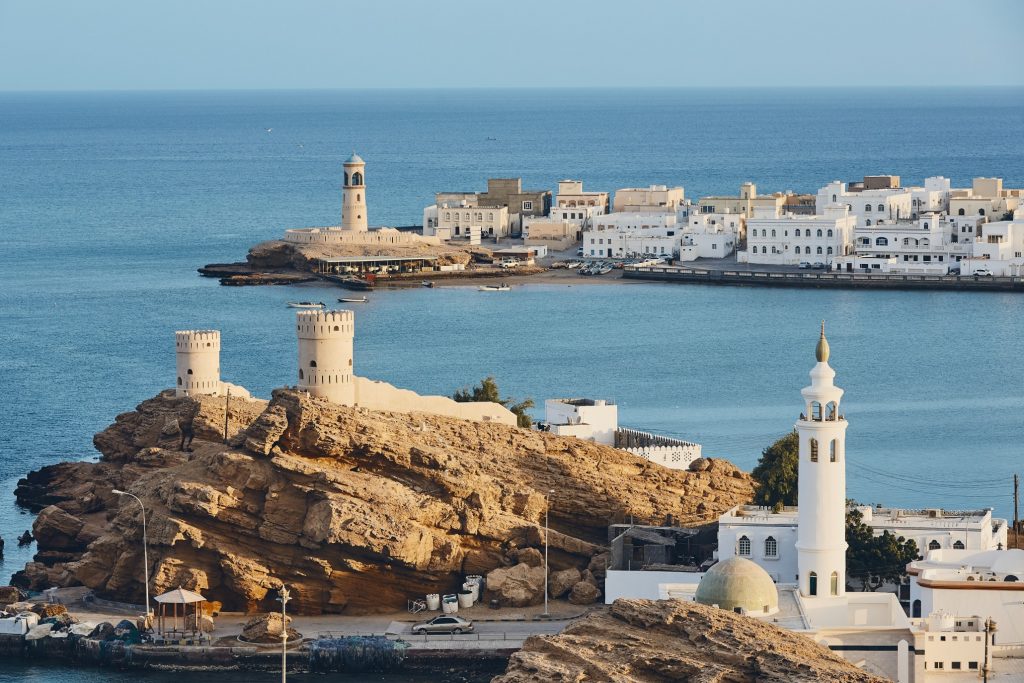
{"x":812,"y":584}
{"x":190,"y":371}
{"x":771,"y":547}
{"x":814,"y":450}
{"x":301,"y":376}
{"x":744,"y":546}
{"x":179,"y":381}
{"x":816,"y":411}
{"x":959,"y":545}
{"x":834,"y":585}
{"x":833,"y":454}
{"x":933,"y":545}
{"x":312,"y":363}
{"x":357,"y":178}
{"x":346,"y":178}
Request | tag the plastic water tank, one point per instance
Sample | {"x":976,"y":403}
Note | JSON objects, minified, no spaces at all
{"x":433,"y":602}
{"x":465,"y":599}
{"x":473,"y":588}
{"x":450,"y":604}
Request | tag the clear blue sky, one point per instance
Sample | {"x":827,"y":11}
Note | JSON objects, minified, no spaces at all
{"x":203,"y":44}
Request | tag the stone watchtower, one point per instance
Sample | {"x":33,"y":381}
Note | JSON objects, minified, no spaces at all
{"x":198,"y":356}
{"x":353,"y":191}
{"x":325,"y":354}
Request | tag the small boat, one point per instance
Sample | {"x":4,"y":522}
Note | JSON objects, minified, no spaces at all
{"x":353,"y":300}
{"x":307,"y":304}
{"x":356,"y":283}
{"x":604,"y":271}
{"x":427,"y":283}
{"x":494,"y":288}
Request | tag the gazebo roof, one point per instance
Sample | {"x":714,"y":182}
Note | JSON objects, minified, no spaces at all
{"x":180,"y":596}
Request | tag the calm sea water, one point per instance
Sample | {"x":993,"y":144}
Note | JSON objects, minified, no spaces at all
{"x":108,"y":203}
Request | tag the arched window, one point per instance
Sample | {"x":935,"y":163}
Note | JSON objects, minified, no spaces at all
{"x":359,"y":197}
{"x":819,"y":250}
{"x":925,"y":226}
{"x":814,"y":450}
{"x":867,"y":208}
{"x":833,"y":198}
{"x":1010,"y":578}
{"x":189,"y":371}
{"x":773,"y":232}
{"x":819,"y":232}
{"x":834,"y":584}
{"x":881,"y":207}
{"x":915,"y":610}
{"x":933,"y":545}
{"x":812,"y":584}
{"x":797,"y":233}
{"x":868,"y":222}
{"x":829,"y":251}
{"x":312,"y":363}
{"x":179,"y":381}
{"x":832,"y":452}
{"x":771,"y":547}
{"x":798,"y":251}
{"x":744,"y":546}
{"x":815,"y":410}
{"x":981,"y":212}
{"x":960,"y":212}
{"x":301,"y":376}
{"x":764,"y":233}
{"x":882,"y":241}
{"x":764,"y":250}
{"x":830,"y":408}
{"x":959,"y":545}
{"x":346,"y":178}
{"x":357,"y":178}
{"x":829,"y":233}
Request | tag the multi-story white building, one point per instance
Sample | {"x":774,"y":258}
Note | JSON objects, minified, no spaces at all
{"x":623,"y":235}
{"x":791,"y":239}
{"x":710,"y":235}
{"x":585,"y":418}
{"x":999,"y":249}
{"x":929,"y":245}
{"x":986,"y":198}
{"x":932,"y":198}
{"x":461,"y":220}
{"x":868,"y":205}
{"x":745,"y":204}
{"x":573,"y":204}
{"x":653,"y":199}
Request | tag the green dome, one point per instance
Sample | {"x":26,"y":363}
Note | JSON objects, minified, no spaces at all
{"x":738,"y":583}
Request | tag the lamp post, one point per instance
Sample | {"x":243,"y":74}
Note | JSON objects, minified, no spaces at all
{"x":284,"y":597}
{"x":990,"y":628}
{"x":547,"y":507}
{"x":145,"y":553}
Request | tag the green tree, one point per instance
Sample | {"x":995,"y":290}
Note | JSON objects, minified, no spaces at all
{"x":875,"y":560}
{"x":776,"y":472}
{"x":488,"y":391}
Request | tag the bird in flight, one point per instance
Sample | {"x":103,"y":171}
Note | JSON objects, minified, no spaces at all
{"x":269,"y":130}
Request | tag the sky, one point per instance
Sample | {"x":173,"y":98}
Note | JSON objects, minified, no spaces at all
{"x":275,"y":44}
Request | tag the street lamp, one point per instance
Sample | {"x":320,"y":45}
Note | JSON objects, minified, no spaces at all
{"x":547,"y":507}
{"x":284,"y":597}
{"x":145,"y":553}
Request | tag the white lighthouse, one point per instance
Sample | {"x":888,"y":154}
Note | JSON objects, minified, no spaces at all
{"x":198,"y":360}
{"x":353,"y":191}
{"x":325,"y":354}
{"x":821,"y":533}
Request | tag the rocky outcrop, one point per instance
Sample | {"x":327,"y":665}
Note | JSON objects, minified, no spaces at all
{"x":279,"y":255}
{"x":648,"y":641}
{"x":354,"y":510}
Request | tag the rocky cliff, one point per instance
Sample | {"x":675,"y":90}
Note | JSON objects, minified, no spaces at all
{"x":354,"y":510}
{"x":648,"y":641}
{"x":278,"y":254}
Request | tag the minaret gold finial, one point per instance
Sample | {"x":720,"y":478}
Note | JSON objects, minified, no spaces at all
{"x":821,"y":352}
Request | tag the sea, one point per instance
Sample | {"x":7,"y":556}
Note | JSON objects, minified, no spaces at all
{"x":110,"y":201}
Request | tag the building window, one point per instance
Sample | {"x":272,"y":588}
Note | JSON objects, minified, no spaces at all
{"x":819,"y":250}
{"x":527,"y":206}
{"x":771,"y":547}
{"x":301,"y":376}
{"x":833,"y":198}
{"x":773,"y":232}
{"x":814,"y":450}
{"x":796,"y":233}
{"x":867,"y":208}
{"x":882,"y":242}
{"x":829,"y":251}
{"x":179,"y":381}
{"x":959,"y":545}
{"x":881,"y":207}
{"x":981,"y":212}
{"x":357,"y":178}
{"x":829,"y":233}
{"x":834,"y":584}
{"x":819,"y":232}
{"x":868,"y":222}
{"x":933,"y":545}
{"x":189,"y":371}
{"x":764,"y":250}
{"x":832,"y":454}
{"x":812,"y":584}
{"x":960,"y":212}
{"x":815,"y":407}
{"x":744,"y":546}
{"x":798,"y":251}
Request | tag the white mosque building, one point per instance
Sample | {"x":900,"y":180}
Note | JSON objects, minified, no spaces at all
{"x":961,"y":592}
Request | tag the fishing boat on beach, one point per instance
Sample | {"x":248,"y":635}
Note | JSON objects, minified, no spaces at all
{"x":427,"y":283}
{"x":494,"y":288}
{"x":353,"y":300}
{"x":306,"y":304}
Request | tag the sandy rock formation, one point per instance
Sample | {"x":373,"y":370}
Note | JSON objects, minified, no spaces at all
{"x":648,"y":641}
{"x":354,"y":510}
{"x":561,"y":582}
{"x":584,"y":593}
{"x":278,"y":254}
{"x":266,"y":628}
{"x":518,"y":586}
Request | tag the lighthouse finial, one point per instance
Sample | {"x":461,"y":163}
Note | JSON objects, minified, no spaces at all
{"x":821,"y":352}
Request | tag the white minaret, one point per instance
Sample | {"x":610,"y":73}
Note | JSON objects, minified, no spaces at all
{"x":325,"y":354}
{"x":198,"y":356}
{"x":821,"y":535}
{"x":353,"y":195}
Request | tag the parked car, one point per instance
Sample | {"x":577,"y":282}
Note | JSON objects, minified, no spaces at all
{"x":804,"y":264}
{"x":984,"y":272}
{"x":818,"y":265}
{"x":445,"y":623}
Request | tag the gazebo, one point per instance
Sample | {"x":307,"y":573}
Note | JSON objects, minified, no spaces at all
{"x":191,"y":612}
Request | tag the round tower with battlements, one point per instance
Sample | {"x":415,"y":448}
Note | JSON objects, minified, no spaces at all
{"x":325,"y":354}
{"x":353,"y":195}
{"x":198,"y":356}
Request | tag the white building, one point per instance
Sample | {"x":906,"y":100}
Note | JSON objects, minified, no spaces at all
{"x":575,"y":205}
{"x":710,"y":235}
{"x":868,"y":205}
{"x":790,"y":239}
{"x":197,"y":356}
{"x":623,"y":235}
{"x":928,"y":245}
{"x":461,"y":221}
{"x":998,"y":249}
{"x":653,"y":199}
{"x":585,"y":418}
{"x":932,"y":198}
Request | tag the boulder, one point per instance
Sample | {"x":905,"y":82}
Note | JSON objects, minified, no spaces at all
{"x":46,"y":609}
{"x":530,"y":556}
{"x":561,"y":582}
{"x":9,"y":594}
{"x":598,"y":567}
{"x":517,"y":586}
{"x":266,"y":628}
{"x":584,"y":593}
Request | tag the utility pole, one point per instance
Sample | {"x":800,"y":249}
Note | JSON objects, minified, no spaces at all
{"x":284,"y":597}
{"x":227,"y":401}
{"x":990,"y":628}
{"x":1016,"y":521}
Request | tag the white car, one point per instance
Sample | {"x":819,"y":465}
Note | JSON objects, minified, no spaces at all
{"x":984,"y":272}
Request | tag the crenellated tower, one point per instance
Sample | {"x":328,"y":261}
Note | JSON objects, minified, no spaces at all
{"x":821,"y":534}
{"x":198,"y":361}
{"x":353,"y":195}
{"x":325,"y":354}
